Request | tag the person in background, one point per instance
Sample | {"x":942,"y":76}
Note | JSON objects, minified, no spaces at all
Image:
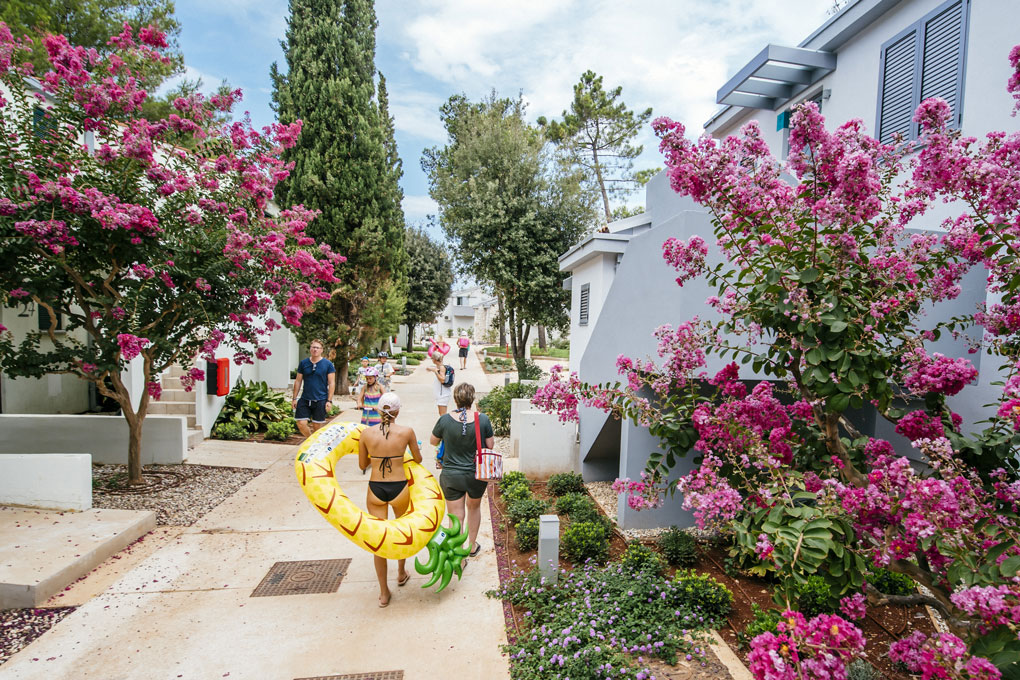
{"x":456,"y":431}
{"x":368,"y":397}
{"x":382,"y":448}
{"x":443,"y":387}
{"x":386,"y":370}
{"x":315,"y":382}
{"x":463,"y":342}
{"x":361,"y":375}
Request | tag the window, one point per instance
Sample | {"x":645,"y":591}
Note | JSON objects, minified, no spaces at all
{"x":44,"y":320}
{"x":926,"y":60}
{"x":584,"y":305}
{"x":42,"y":123}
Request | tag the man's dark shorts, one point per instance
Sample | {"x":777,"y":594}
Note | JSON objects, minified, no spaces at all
{"x":462,"y":352}
{"x":308,"y":409}
{"x":455,"y":484}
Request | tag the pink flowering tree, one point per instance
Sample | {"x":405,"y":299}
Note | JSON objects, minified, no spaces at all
{"x":143,"y":239}
{"x":824,"y":285}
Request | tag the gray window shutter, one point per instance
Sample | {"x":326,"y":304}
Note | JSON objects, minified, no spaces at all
{"x":942,"y":66}
{"x":583,"y":321}
{"x":897,"y":105}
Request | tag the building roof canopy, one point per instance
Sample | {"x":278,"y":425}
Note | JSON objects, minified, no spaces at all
{"x":775,"y":75}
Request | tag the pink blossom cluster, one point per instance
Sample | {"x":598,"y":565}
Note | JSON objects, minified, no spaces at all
{"x":1013,"y":85}
{"x":937,"y":373}
{"x":754,"y":430}
{"x":709,"y":496}
{"x":130,"y":345}
{"x":993,"y":605}
{"x":559,"y":395}
{"x":820,"y":648}
{"x":943,"y":655}
{"x":644,"y":494}
{"x":764,"y":548}
{"x":854,"y":606}
{"x":687,"y":257}
{"x":919,"y":425}
{"x":192,"y":378}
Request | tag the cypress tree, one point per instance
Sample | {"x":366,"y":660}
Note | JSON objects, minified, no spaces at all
{"x":341,"y":163}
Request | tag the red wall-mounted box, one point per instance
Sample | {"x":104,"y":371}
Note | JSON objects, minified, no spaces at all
{"x":217,"y":377}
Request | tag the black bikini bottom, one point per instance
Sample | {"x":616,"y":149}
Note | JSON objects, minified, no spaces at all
{"x":387,"y":491}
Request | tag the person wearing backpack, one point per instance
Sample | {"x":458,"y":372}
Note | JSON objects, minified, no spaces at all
{"x":443,"y":388}
{"x":462,"y":344}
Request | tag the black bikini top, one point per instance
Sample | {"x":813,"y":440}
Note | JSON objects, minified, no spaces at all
{"x":384,"y":463}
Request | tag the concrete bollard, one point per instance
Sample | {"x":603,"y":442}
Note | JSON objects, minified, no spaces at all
{"x":403,"y":365}
{"x":549,"y":547}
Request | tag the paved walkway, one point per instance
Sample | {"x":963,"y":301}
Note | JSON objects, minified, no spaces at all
{"x":185,"y":610}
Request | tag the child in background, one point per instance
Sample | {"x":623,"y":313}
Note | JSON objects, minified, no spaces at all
{"x":361,"y":375}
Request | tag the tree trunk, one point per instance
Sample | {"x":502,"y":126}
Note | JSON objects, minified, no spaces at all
{"x":135,"y":422}
{"x":343,"y":386}
{"x":602,"y":185}
{"x":501,"y":319}
{"x":410,"y":338}
{"x":541,"y":337}
{"x":514,"y":337}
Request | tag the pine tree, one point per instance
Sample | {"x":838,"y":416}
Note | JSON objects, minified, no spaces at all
{"x":342,"y":164}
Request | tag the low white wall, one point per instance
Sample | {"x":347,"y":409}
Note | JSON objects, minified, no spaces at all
{"x":517,"y":407}
{"x":56,"y":481}
{"x":547,"y":446}
{"x":164,"y":437}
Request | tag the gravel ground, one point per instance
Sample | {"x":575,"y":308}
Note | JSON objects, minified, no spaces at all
{"x":19,"y":627}
{"x":502,"y":445}
{"x":200,"y":489}
{"x":604,"y":495}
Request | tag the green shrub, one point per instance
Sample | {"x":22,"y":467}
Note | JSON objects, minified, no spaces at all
{"x":591,"y":514}
{"x":419,"y":348}
{"x":525,"y":508}
{"x":762,"y":621}
{"x":569,"y":503}
{"x":412,"y":361}
{"x":513,"y":478}
{"x":517,"y":492}
{"x":891,"y":582}
{"x":565,"y":482}
{"x":332,"y":410}
{"x":282,"y":430}
{"x":496,"y":404}
{"x":230,"y":431}
{"x":585,"y":541}
{"x":254,"y":405}
{"x":527,"y":534}
{"x":560,"y":343}
{"x":528,"y":370}
{"x":815,"y":597}
{"x":678,"y":547}
{"x":640,"y":558}
{"x":862,"y":670}
{"x":704,"y":593}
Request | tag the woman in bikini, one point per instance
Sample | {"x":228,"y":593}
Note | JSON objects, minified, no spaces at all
{"x":382,"y":448}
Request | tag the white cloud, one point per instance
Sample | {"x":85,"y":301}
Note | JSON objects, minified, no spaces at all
{"x":209,"y":82}
{"x":416,"y":113}
{"x":417,"y":208}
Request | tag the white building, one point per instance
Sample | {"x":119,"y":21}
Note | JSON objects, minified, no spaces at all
{"x":459,"y":313}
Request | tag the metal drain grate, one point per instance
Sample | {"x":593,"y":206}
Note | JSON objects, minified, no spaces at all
{"x":302,"y":578}
{"x":378,"y":675}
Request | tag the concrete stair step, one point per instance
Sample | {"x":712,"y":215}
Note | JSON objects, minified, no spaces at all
{"x":171,"y":383}
{"x":172,"y":407}
{"x":195,"y":437}
{"x":176,"y":371}
{"x":177,"y":394}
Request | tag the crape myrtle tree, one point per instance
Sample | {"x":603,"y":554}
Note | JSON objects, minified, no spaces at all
{"x":345,"y":166}
{"x":429,"y":280}
{"x":509,"y":209}
{"x":597,"y":135}
{"x":822,"y":288}
{"x":144,"y":249}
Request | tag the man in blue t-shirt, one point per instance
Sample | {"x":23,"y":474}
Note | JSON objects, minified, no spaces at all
{"x":318,"y":376}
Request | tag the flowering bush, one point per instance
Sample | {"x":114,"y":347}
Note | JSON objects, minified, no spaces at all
{"x":148,"y":240}
{"x":822,"y":289}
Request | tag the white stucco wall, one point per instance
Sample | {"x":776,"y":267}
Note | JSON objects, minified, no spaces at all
{"x":55,"y":481}
{"x":598,"y":272}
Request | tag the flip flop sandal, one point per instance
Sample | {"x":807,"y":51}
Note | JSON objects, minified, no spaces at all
{"x":477,"y":549}
{"x":383,"y":606}
{"x":404,"y":581}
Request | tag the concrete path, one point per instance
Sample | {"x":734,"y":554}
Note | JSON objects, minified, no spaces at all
{"x":185,"y":611}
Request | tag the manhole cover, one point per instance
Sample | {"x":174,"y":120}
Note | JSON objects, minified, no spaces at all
{"x":303,"y":578}
{"x":378,"y":675}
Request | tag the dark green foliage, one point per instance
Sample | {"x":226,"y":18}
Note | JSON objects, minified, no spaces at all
{"x":570,"y":503}
{"x":516,"y":492}
{"x":528,"y":370}
{"x":597,"y":133}
{"x":513,"y":478}
{"x":496,"y":404}
{"x":564,"y":483}
{"x":679,"y":547}
{"x":891,"y":582}
{"x":762,"y":621}
{"x":815,"y":597}
{"x":345,"y":165}
{"x":429,"y":280}
{"x":230,"y":430}
{"x":585,"y":541}
{"x":282,"y":430}
{"x":525,"y":508}
{"x":704,"y":594}
{"x":526,"y":533}
{"x":590,"y":513}
{"x":254,"y":406}
{"x":639,"y":557}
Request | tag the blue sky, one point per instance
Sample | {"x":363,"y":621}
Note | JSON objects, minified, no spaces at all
{"x":671,"y":55}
